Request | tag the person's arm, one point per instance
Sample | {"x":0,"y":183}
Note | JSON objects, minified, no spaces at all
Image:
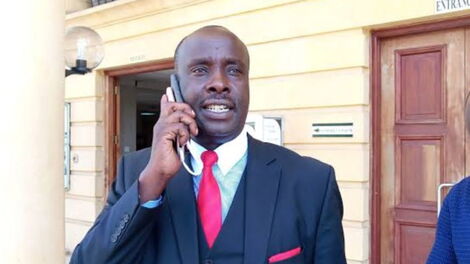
{"x":124,"y":225}
{"x":123,"y":221}
{"x":329,"y":246}
{"x":443,"y":250}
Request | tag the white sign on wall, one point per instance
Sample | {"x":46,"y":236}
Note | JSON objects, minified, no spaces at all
{"x":67,"y":140}
{"x":444,"y":6}
{"x":265,"y":128}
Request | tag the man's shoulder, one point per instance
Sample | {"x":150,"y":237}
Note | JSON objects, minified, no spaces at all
{"x":306,"y":175}
{"x":133,"y":163}
{"x":458,"y":199}
{"x":139,"y":155}
{"x":465,"y":183}
{"x":461,"y":190}
{"x":290,"y":158}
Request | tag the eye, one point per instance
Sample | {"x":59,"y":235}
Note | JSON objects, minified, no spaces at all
{"x":234,"y":70}
{"x":199,"y":70}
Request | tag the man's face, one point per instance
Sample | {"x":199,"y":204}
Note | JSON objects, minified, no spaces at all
{"x":213,"y":73}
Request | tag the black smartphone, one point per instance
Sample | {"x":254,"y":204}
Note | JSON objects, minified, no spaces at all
{"x":174,"y":95}
{"x":175,"y":87}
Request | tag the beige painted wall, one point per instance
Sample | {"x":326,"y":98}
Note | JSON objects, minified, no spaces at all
{"x":310,"y":57}
{"x":85,"y":199}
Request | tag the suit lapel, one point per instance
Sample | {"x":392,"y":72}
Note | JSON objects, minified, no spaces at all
{"x":180,"y":196}
{"x":262,"y":183}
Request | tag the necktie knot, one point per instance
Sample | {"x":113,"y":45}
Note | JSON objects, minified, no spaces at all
{"x":208,"y":158}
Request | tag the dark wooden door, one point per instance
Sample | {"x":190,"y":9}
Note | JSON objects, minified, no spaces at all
{"x":422,"y":137}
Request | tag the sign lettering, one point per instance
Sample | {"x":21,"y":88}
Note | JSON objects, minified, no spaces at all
{"x":443,"y":6}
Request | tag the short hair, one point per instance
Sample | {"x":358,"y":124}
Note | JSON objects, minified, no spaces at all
{"x":175,"y":57}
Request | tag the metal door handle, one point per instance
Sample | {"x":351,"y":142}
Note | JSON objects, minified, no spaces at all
{"x":439,"y":191}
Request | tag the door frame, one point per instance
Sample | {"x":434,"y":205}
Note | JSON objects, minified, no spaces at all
{"x":377,"y":36}
{"x":112,"y":112}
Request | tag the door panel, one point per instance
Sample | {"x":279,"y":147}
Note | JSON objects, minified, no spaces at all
{"x":410,"y":152}
{"x":423,"y":135}
{"x":419,"y":85}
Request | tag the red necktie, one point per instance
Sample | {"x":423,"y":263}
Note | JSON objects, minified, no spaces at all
{"x":209,"y":203}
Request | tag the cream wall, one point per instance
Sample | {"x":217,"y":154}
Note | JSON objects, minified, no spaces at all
{"x":85,"y":199}
{"x":310,"y":63}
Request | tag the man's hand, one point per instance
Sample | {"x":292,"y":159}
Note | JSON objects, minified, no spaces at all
{"x":176,"y":121}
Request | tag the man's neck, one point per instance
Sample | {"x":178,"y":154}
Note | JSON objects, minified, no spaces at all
{"x":229,"y":153}
{"x":211,"y":143}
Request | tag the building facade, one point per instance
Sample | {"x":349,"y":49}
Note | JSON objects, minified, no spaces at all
{"x":391,"y":73}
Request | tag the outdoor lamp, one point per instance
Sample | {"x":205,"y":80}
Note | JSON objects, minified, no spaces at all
{"x":83,"y":50}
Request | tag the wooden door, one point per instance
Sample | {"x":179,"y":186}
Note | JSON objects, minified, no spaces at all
{"x":422,"y":137}
{"x":112,"y":123}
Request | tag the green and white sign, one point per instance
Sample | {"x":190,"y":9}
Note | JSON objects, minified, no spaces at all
{"x":332,"y":130}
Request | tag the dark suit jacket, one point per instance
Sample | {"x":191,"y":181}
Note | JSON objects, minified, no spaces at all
{"x":291,"y":201}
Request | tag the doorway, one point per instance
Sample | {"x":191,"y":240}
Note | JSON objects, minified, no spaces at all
{"x":419,"y":85}
{"x":132,"y":106}
{"x":139,"y":96}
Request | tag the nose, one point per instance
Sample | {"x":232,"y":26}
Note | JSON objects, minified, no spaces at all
{"x":218,"y":83}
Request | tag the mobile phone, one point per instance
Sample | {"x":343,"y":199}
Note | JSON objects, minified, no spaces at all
{"x":174,"y":95}
{"x":175,"y":87}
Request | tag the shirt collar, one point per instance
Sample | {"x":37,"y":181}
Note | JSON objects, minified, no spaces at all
{"x":228,"y":153}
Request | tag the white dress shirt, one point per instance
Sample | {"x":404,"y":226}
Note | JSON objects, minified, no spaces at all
{"x":231,"y":163}
{"x":228,"y":170}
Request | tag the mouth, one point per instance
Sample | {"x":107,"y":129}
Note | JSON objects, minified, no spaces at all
{"x":218,"y":109}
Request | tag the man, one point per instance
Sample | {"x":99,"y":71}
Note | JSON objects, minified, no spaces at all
{"x":254,"y":202}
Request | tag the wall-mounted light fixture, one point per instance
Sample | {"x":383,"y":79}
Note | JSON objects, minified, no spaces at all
{"x":83,"y":50}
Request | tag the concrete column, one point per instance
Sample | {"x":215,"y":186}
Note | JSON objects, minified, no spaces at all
{"x":31,"y":132}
